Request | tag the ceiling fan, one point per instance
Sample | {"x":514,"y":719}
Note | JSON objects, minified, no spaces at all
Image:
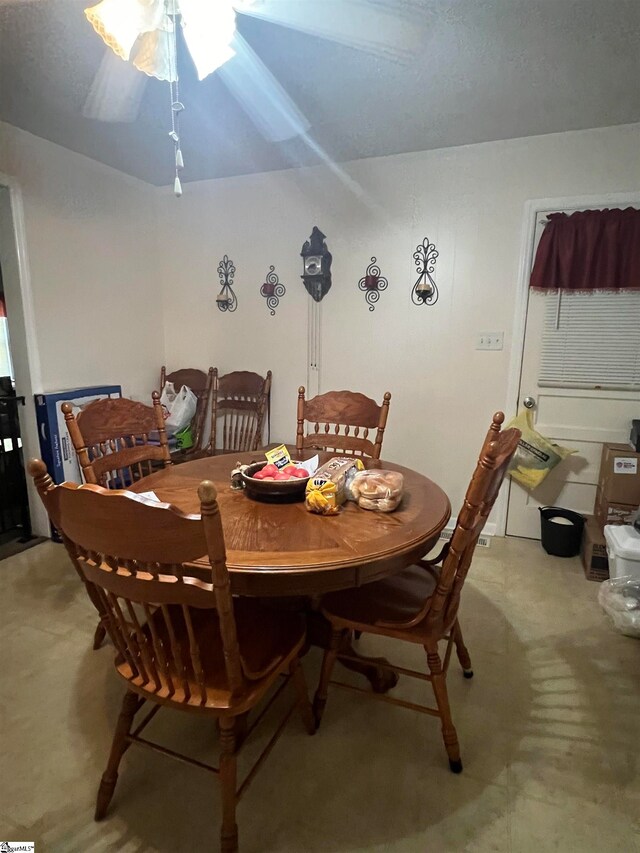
{"x":145,"y":34}
{"x":143,"y":38}
{"x":209,"y":29}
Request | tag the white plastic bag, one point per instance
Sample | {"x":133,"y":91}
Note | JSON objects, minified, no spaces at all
{"x":620,"y":600}
{"x":179,"y":407}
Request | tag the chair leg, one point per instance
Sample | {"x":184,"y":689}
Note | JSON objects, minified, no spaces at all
{"x":304,"y":706}
{"x":439,"y":684}
{"x":100,"y":634}
{"x":228,"y":783}
{"x":330,"y":655}
{"x":130,"y":705}
{"x":101,"y":627}
{"x":461,"y":651}
{"x":241,"y":729}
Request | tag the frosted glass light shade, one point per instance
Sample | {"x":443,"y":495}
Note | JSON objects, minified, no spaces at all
{"x":140,"y":31}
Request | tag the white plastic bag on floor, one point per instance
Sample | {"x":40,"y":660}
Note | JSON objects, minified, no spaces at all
{"x":620,"y":600}
{"x":179,"y":407}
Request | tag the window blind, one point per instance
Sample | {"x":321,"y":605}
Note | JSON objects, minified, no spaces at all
{"x":591,"y":341}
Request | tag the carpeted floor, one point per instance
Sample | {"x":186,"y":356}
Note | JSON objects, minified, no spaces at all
{"x":549,"y":729}
{"x":9,"y":546}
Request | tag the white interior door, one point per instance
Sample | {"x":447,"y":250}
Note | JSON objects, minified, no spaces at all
{"x":581,"y":371}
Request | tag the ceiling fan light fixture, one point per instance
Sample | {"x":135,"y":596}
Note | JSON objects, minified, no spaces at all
{"x":119,"y":23}
{"x":153,"y":54}
{"x":144,"y":32}
{"x":141,"y":31}
{"x":208,"y":28}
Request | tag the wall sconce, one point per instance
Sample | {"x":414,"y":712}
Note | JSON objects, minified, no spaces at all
{"x":272,"y":290}
{"x":226,"y":300}
{"x":424,"y":291}
{"x":372,"y":283}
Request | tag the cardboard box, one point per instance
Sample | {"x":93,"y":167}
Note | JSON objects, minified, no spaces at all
{"x":56,"y":446}
{"x":611,"y":512}
{"x":594,"y":552}
{"x":619,"y":478}
{"x":55,"y":442}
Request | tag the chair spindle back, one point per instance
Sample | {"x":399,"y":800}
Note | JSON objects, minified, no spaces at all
{"x":117,"y":440}
{"x":240,"y":402}
{"x":133,"y":554}
{"x":201,"y":384}
{"x":497,"y":450}
{"x":342,"y":421}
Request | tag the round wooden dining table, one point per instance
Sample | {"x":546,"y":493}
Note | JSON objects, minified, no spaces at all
{"x":281,"y":549}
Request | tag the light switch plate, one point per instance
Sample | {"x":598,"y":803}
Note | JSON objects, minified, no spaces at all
{"x":490,"y":340}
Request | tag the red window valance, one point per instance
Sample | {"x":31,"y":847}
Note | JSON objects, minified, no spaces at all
{"x":589,"y":250}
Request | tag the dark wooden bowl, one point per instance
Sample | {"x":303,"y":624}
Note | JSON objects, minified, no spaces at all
{"x":273,"y":491}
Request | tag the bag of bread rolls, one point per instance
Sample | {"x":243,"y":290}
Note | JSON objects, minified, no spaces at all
{"x":377,"y":490}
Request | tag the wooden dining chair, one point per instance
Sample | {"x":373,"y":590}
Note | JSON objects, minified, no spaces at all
{"x":201,"y":384}
{"x":118,"y":441}
{"x":341,"y":422}
{"x":420,"y":604}
{"x":181,"y":639}
{"x":240,"y":404}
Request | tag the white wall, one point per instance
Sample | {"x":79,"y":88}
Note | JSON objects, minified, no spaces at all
{"x":90,"y":238}
{"x":89,"y":273}
{"x":93,"y":238}
{"x":468,"y":200}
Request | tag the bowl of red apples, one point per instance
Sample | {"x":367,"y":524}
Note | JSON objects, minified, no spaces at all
{"x":264,"y":481}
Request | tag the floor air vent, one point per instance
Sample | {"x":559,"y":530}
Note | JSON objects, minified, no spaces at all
{"x":483,"y":541}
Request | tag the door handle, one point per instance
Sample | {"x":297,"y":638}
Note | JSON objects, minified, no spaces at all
{"x":529,"y":402}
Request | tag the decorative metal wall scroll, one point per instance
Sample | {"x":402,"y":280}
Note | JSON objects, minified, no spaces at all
{"x":424,"y":291}
{"x":226,"y":300}
{"x":373,"y":283}
{"x":273,"y":290}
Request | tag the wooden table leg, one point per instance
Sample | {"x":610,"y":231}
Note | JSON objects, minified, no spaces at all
{"x":319,"y":634}
{"x":381,"y":680}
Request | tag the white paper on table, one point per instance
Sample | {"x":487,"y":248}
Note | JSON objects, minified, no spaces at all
{"x":150,"y":495}
{"x":311,"y":465}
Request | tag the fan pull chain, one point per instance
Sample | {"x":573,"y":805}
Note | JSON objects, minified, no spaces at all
{"x":176,"y":105}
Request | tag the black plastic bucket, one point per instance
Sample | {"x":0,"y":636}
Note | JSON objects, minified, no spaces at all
{"x":558,"y":538}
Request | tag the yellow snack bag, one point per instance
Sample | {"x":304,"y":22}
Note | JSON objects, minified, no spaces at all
{"x":279,"y":456}
{"x":328,"y":488}
{"x":322,"y":497}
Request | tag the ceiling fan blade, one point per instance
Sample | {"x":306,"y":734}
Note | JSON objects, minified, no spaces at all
{"x":116,"y":91}
{"x":260,"y":95}
{"x":208,"y":30}
{"x":384,"y":28}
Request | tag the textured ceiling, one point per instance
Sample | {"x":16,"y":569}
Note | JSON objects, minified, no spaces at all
{"x":470,"y":72}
